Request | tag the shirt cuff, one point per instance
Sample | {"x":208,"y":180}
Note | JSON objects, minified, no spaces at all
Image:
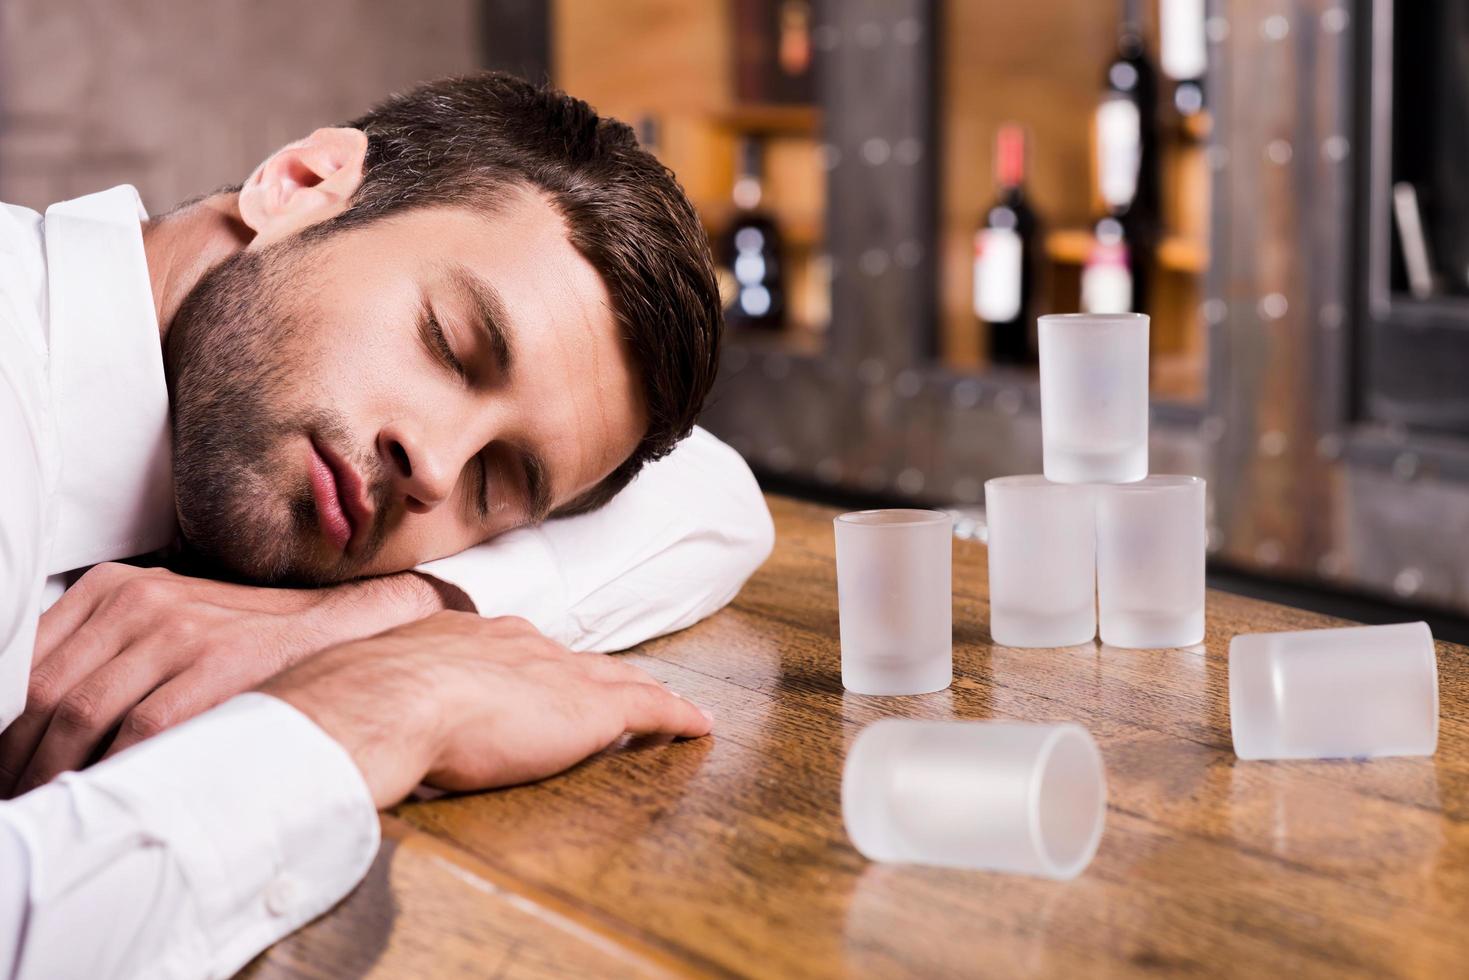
{"x":267,"y":819}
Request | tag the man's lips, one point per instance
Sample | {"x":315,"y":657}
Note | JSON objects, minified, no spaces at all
{"x":341,"y":507}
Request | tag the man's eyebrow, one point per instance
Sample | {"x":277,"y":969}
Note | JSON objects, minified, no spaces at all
{"x":488,"y":310}
{"x":538,"y":485}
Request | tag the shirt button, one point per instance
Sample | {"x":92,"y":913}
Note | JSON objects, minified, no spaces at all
{"x":281,"y":895}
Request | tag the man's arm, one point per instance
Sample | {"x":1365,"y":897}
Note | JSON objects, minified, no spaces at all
{"x":671,"y":549}
{"x":186,"y":856}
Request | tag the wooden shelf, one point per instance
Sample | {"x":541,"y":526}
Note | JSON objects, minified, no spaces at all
{"x":801,"y":231}
{"x":782,"y":120}
{"x":1070,"y":246}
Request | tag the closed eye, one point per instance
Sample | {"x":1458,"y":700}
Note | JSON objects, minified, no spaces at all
{"x":432,"y":334}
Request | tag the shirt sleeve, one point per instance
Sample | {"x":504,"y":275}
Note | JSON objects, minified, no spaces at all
{"x":188,"y":854}
{"x":674,"y":547}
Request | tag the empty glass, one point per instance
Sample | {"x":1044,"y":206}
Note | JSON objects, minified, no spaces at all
{"x":1042,"y":551}
{"x":994,"y":795}
{"x":1150,"y":562}
{"x":1355,"y":692}
{"x":1094,"y":397}
{"x":895,"y":599}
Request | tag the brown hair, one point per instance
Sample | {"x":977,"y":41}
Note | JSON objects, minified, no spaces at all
{"x":461,"y":140}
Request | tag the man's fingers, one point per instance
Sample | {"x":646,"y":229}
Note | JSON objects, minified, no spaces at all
{"x":91,"y":710}
{"x":51,"y":680}
{"x":650,"y":710}
{"x":174,"y":703}
{"x":612,"y":670}
{"x":66,"y":615}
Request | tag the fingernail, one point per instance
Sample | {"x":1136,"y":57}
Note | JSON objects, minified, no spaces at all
{"x":707,"y":716}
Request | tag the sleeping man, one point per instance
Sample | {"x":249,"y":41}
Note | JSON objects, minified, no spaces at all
{"x":447,"y":356}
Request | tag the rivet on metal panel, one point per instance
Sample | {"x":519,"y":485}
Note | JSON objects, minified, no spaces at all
{"x":1215,"y":538}
{"x":1275,"y":28}
{"x":1329,"y":446}
{"x":777,"y":366}
{"x":874,"y":477}
{"x":1009,"y":401}
{"x":1330,"y":316}
{"x":874,"y":262}
{"x":1269,"y":552}
{"x":1273,"y":306}
{"x":829,"y":470}
{"x":967,"y":489}
{"x":1218,"y":155}
{"x":1214,"y":311}
{"x":910,"y":481}
{"x":1279,"y":152}
{"x":1273,"y":443}
{"x":876,"y":151}
{"x":831,"y":155}
{"x":966,"y":394}
{"x":779,"y":458}
{"x":871,"y":371}
{"x":1335,"y":148}
{"x":908,"y":383}
{"x":735,"y":359}
{"x":1211,"y":429}
{"x":908,"y":151}
{"x":908,"y":254}
{"x":1217,"y":29}
{"x":1406,"y":466}
{"x":1335,"y":20}
{"x":869,"y":34}
{"x":1330,"y":564}
{"x":1407,"y":582}
{"x":907,"y":31}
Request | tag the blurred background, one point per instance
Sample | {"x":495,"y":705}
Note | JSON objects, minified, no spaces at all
{"x":895,"y":189}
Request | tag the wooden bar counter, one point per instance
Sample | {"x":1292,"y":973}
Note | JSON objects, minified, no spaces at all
{"x":726,"y":855}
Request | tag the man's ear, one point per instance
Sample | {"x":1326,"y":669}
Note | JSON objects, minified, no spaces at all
{"x":303,"y":183}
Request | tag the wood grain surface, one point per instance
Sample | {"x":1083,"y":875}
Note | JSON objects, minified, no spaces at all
{"x":726,"y":855}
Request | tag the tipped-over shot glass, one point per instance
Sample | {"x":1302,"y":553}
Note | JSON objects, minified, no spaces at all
{"x":988,"y":795}
{"x":1355,"y":692}
{"x":1094,"y":397}
{"x":1150,"y":562}
{"x":895,"y":600}
{"x":1042,"y":556}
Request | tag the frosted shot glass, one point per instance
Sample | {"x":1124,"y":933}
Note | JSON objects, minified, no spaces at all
{"x":1094,"y":397}
{"x":1043,"y":561}
{"x":1356,"y":692}
{"x":988,"y":795}
{"x":1150,"y":562}
{"x":895,"y":600}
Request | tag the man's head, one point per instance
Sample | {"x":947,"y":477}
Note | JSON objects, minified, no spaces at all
{"x":476,"y":306}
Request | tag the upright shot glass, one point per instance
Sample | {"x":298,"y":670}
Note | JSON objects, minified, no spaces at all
{"x":895,"y":599}
{"x":1094,"y":397}
{"x":989,"y":795}
{"x":1150,"y":562}
{"x":1042,"y":553}
{"x":1356,"y":692}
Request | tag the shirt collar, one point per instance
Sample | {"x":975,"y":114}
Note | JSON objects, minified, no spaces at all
{"x":109,"y":396}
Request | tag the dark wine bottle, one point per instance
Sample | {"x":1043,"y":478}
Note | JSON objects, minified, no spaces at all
{"x":1182,"y":54}
{"x":1006,"y":245}
{"x":750,"y":253}
{"x":1127,"y":159}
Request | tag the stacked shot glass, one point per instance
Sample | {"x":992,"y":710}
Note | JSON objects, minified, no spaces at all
{"x":1096,"y":541}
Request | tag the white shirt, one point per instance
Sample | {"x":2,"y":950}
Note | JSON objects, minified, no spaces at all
{"x":191,"y":852}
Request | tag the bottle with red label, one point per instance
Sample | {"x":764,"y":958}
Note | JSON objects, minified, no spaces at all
{"x":1005,"y":253}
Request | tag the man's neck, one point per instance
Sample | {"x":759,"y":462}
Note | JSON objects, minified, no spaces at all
{"x":184,"y":244}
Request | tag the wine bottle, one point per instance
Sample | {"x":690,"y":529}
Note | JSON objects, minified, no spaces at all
{"x":1110,"y":276}
{"x":1005,"y":250}
{"x":750,"y":253}
{"x":1127,"y":161}
{"x":1183,"y":56}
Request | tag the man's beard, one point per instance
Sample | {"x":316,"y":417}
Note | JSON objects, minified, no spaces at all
{"x":243,"y":507}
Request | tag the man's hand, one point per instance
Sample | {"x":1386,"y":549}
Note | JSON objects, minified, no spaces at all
{"x":138,"y":650}
{"x":466,"y":703}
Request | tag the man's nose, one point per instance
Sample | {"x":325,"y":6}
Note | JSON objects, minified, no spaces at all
{"x":422,"y":473}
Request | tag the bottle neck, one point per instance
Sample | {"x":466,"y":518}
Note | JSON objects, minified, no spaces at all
{"x":1010,"y":158}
